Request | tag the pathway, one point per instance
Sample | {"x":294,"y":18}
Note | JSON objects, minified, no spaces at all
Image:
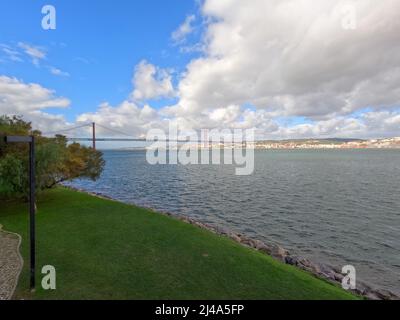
{"x":10,"y":263}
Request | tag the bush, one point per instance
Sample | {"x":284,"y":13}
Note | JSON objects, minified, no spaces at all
{"x":55,"y":160}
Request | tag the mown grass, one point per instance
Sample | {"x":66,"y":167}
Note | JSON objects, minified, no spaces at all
{"x":103,"y":249}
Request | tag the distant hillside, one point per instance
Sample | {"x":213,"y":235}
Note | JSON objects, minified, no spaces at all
{"x":330,"y":143}
{"x":312,"y":141}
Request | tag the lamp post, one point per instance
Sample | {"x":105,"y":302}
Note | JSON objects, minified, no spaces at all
{"x":32,"y":209}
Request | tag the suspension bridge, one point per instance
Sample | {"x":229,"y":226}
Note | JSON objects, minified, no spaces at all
{"x":93,"y":138}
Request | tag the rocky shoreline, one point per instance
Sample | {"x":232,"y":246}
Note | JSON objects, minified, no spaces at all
{"x":279,"y":253}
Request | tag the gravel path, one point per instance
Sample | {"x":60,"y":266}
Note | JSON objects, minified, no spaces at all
{"x":10,"y":263}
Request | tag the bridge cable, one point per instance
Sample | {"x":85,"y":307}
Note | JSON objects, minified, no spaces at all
{"x":66,"y":130}
{"x":113,"y":130}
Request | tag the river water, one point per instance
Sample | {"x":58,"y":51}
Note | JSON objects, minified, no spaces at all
{"x":337,"y":207}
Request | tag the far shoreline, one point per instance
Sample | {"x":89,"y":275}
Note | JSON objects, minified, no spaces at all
{"x":270,"y":149}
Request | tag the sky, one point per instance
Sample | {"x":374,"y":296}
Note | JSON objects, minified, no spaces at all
{"x":287,"y":68}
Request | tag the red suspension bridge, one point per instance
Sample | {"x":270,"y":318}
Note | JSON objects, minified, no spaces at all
{"x":93,"y":138}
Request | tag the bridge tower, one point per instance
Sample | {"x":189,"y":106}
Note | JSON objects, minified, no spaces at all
{"x":94,"y":135}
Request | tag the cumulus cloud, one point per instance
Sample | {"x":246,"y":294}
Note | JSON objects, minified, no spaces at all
{"x":31,"y":100}
{"x":126,"y":118}
{"x":295,"y":58}
{"x":382,"y":123}
{"x":18,"y":97}
{"x":289,"y":68}
{"x":151,"y":82}
{"x":180,"y":34}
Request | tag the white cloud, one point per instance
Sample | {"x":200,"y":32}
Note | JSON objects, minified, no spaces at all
{"x":17,"y":96}
{"x":11,"y":53}
{"x":180,"y":34}
{"x":58,"y":72}
{"x":36,"y":53}
{"x":151,"y":82}
{"x":30,"y":100}
{"x":266,"y":63}
{"x":14,"y":53}
{"x":126,"y":118}
{"x":294,"y":58}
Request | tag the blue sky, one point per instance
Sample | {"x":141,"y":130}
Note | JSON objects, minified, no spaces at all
{"x":288,"y":68}
{"x":98,"y":43}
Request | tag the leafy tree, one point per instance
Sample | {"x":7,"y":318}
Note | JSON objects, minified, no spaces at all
{"x":56,"y":159}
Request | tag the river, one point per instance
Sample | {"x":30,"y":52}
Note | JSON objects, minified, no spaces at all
{"x":337,"y":207}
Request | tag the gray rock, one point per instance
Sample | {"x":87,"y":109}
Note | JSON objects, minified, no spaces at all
{"x":292,"y":260}
{"x":248,"y":242}
{"x":258,"y":244}
{"x":266,"y":249}
{"x":339,"y":277}
{"x":304,"y":263}
{"x":323,"y":268}
{"x":328,"y":275}
{"x":234,"y":237}
{"x":279,"y":253}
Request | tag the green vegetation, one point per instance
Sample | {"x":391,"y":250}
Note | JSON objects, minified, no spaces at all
{"x":56,"y":160}
{"x":108,"y":250}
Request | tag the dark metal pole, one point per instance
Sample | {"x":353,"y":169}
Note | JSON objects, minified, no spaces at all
{"x":32,"y":202}
{"x":32,"y":210}
{"x":94,"y":135}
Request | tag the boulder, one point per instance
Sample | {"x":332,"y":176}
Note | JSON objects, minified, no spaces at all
{"x":339,"y":277}
{"x":258,"y":244}
{"x":248,"y":242}
{"x":267,"y":249}
{"x":292,"y":260}
{"x":235,"y":237}
{"x":279,"y":253}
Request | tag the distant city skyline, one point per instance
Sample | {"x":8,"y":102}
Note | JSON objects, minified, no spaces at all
{"x":289,"y":68}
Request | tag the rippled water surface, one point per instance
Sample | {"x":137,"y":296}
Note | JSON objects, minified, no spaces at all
{"x":334,"y":206}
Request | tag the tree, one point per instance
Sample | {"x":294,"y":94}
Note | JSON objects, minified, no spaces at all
{"x":56,"y":160}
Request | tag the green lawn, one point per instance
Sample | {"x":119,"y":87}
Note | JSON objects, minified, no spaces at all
{"x":108,"y":250}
